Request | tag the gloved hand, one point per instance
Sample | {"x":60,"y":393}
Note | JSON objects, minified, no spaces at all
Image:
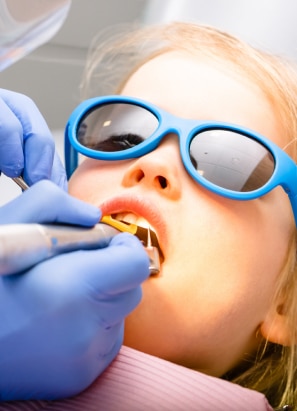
{"x":61,"y":323}
{"x":26,"y":144}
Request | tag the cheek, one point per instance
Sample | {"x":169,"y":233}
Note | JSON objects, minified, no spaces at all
{"x":217,"y":281}
{"x":93,"y":180}
{"x":227,"y":257}
{"x":236,"y":243}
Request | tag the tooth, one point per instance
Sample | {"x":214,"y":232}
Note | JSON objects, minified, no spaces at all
{"x":143,"y":223}
{"x":127,"y":217}
{"x":133,"y":219}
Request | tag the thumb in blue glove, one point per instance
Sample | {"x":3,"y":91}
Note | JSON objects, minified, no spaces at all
{"x":26,"y":145}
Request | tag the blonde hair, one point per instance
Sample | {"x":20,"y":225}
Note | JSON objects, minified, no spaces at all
{"x":111,"y":63}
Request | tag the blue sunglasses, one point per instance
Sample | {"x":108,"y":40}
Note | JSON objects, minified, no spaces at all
{"x":229,"y":160}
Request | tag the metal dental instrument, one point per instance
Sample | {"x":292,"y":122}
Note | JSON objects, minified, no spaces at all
{"x":24,"y":245}
{"x":140,"y":232}
{"x":146,"y":235}
{"x":20,"y":182}
{"x":153,"y":254}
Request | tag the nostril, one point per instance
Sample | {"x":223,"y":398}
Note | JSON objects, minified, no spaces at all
{"x":162,"y":181}
{"x":139,"y":174}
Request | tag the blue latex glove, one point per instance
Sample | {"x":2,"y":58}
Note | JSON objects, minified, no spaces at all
{"x":26,"y":145}
{"x":61,"y":323}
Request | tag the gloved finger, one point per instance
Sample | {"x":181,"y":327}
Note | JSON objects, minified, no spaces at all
{"x":11,"y":142}
{"x":39,"y":157}
{"x":132,"y":264}
{"x":113,"y":309}
{"x":108,"y":344}
{"x":120,"y":267}
{"x":42,"y":162}
{"x":44,"y":202}
{"x":38,"y":141}
{"x":105,"y":282}
{"x":37,"y":163}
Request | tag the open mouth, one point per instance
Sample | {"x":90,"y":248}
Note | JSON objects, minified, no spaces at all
{"x":140,"y":227}
{"x":145,"y":232}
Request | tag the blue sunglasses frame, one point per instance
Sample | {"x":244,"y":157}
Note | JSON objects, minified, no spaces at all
{"x":284,"y":175}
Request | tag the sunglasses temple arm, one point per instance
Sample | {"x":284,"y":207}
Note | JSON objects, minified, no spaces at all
{"x":293,"y":199}
{"x":70,"y":156}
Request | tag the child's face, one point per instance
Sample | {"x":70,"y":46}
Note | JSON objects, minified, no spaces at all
{"x":222,"y":257}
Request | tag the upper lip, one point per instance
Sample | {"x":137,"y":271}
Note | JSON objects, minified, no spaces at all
{"x":142,"y":207}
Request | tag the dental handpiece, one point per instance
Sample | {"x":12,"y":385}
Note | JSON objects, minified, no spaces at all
{"x":24,"y":245}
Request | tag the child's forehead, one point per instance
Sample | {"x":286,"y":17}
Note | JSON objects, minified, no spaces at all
{"x":203,"y":89}
{"x":181,"y":75}
{"x":193,"y":68}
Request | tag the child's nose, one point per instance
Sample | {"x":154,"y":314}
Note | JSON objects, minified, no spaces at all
{"x":160,"y":169}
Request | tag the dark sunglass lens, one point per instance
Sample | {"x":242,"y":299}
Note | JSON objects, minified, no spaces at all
{"x":116,"y":127}
{"x":231,"y":160}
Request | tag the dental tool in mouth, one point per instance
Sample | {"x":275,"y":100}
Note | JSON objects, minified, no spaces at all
{"x":153,"y":254}
{"x":145,"y":234}
{"x":47,"y":240}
